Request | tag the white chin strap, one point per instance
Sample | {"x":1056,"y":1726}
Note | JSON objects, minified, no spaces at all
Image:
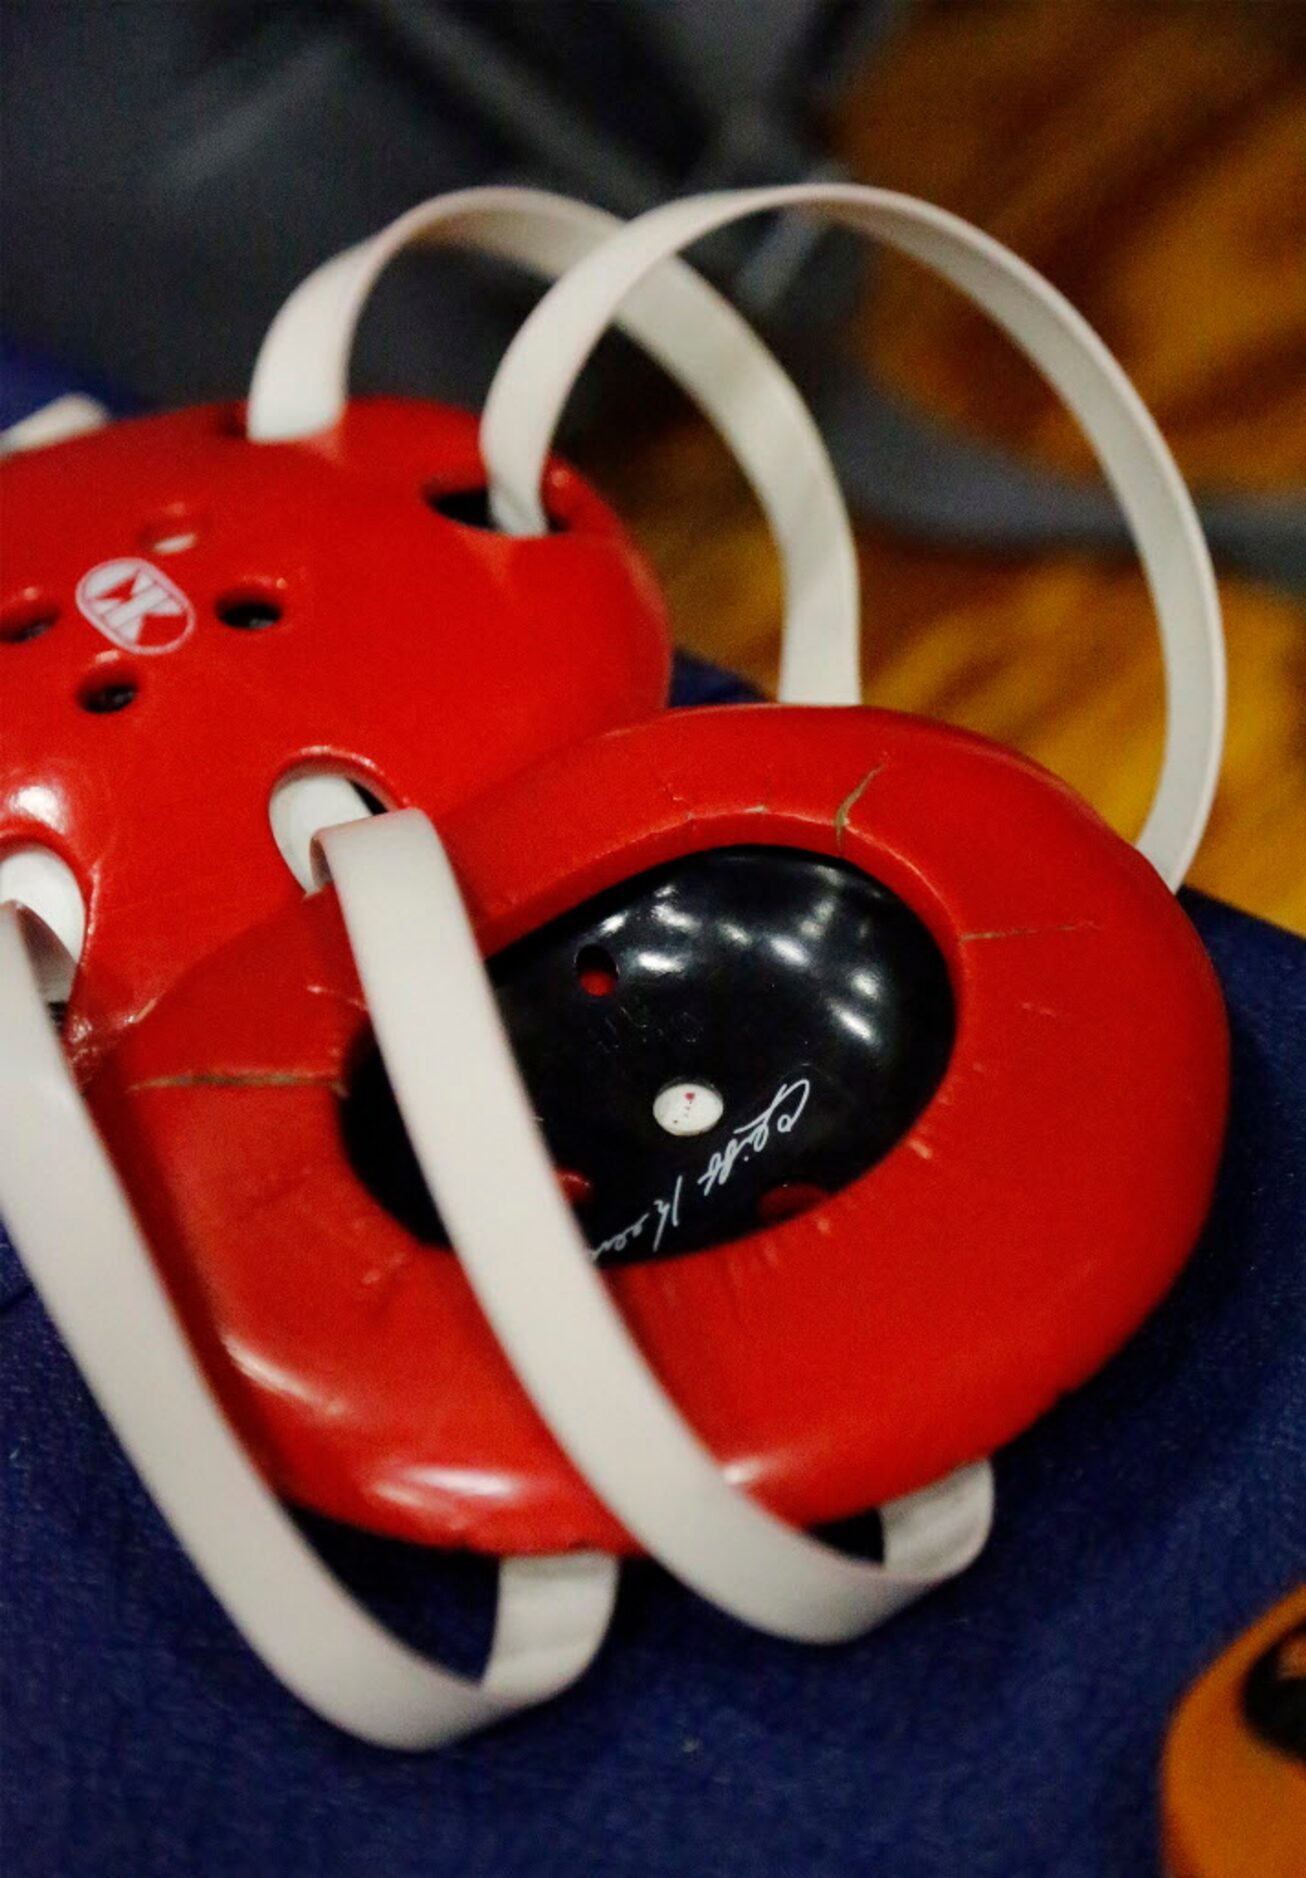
{"x":540,"y":367}
{"x":439,"y":1030}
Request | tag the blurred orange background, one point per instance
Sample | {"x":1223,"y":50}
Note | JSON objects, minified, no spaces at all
{"x":1149,"y":157}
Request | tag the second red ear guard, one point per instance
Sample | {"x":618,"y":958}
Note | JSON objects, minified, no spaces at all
{"x":1031,"y":1195}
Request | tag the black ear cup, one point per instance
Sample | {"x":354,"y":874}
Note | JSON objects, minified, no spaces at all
{"x":709,"y":1046}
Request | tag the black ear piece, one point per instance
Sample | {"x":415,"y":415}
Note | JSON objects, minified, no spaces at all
{"x":709,"y":1046}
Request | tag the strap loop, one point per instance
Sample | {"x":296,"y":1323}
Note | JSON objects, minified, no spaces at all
{"x":541,"y":365}
{"x":300,"y":386}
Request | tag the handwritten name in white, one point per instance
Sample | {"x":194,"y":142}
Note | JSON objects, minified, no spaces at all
{"x":667,"y":1213}
{"x":750,"y":1138}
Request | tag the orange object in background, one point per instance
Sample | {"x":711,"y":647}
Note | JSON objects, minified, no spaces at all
{"x":1233,"y":1782}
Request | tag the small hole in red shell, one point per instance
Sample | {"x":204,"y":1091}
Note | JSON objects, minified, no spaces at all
{"x":26,"y":619}
{"x":470,"y":508}
{"x":596,"y":971}
{"x":576,"y":1188}
{"x":249,"y":609}
{"x":108,"y":691}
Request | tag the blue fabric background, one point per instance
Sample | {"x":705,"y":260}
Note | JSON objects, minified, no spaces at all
{"x":1008,"y":1725}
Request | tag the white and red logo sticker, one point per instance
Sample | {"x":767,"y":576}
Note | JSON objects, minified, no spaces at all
{"x":134,"y":604}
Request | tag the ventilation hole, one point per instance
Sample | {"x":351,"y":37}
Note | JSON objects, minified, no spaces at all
{"x":687,"y":1108}
{"x":596,"y":971}
{"x":249,"y":611}
{"x":470,"y":508}
{"x":27,"y":621}
{"x":785,"y":1201}
{"x":103,"y":696}
{"x":577,"y":1188}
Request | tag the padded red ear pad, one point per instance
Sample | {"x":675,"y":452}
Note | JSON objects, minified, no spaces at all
{"x":186,"y":616}
{"x":1035,"y":1208}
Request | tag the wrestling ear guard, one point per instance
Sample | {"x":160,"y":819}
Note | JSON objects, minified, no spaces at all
{"x":884,"y":1083}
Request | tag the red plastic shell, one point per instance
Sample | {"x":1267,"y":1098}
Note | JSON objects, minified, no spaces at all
{"x":1037,"y":1210}
{"x":427,"y":658}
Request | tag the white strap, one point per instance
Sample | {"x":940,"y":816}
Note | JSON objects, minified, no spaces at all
{"x":43,"y":882}
{"x":475,"y":1137}
{"x":84,"y":1252}
{"x":541,"y":365}
{"x":300,"y":388}
{"x":71,"y":415}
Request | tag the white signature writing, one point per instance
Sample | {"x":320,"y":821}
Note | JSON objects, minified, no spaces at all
{"x":780,"y":1113}
{"x":752,"y":1137}
{"x":666,"y":1212}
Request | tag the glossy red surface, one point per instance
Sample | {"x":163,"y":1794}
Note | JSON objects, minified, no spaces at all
{"x":1038,"y":1208}
{"x":427,"y":658}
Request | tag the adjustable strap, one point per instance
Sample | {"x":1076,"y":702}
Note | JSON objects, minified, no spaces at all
{"x":300,"y":385}
{"x":71,"y":415}
{"x":541,"y":365}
